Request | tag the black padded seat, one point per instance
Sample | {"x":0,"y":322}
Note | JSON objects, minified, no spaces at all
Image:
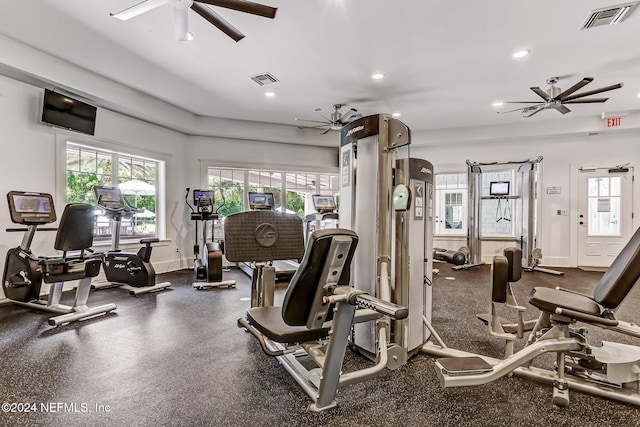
{"x":548,"y":299}
{"x":75,"y":233}
{"x":613,"y":287}
{"x":287,"y":324}
{"x":281,"y":332}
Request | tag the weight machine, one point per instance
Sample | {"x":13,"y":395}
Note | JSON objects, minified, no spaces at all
{"x":386,"y":197}
{"x":523,"y":193}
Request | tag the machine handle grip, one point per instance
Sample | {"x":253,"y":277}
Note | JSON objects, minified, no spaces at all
{"x":384,"y":307}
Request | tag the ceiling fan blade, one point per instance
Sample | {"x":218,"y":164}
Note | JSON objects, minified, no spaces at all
{"x":313,"y":121}
{"x":593,"y":92}
{"x":582,"y":83}
{"x":520,"y":109}
{"x":181,"y":24}
{"x":561,"y":108}
{"x":313,"y":127}
{"x":585,"y":101}
{"x":244,"y":6}
{"x":536,"y":111}
{"x":326,"y":131}
{"x":542,"y":94}
{"x":138,"y":9}
{"x":324,"y":115}
{"x":521,"y":102}
{"x":345,"y":117}
{"x":218,"y":21}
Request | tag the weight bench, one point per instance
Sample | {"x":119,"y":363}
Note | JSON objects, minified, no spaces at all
{"x":611,"y":370}
{"x":317,"y":316}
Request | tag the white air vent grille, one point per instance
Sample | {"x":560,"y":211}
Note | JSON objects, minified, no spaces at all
{"x":608,"y":15}
{"x":264,"y":79}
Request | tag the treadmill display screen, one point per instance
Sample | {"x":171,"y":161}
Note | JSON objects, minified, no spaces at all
{"x":261,"y":201}
{"x":323,"y":203}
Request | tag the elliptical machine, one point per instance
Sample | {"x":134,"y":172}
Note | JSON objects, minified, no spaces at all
{"x":208,"y":269}
{"x":24,"y":272}
{"x":133,"y":271}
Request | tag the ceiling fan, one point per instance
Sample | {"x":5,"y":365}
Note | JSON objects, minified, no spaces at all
{"x":180,"y":15}
{"x":334,"y":121}
{"x":555,"y":98}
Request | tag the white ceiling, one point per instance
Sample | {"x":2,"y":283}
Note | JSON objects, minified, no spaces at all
{"x":445,"y":61}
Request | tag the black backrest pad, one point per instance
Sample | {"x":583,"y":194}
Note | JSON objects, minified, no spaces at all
{"x":620,"y":277}
{"x":302,"y":289}
{"x":75,"y":231}
{"x":263,"y":236}
{"x":499,"y":279}
{"x":514,"y":256}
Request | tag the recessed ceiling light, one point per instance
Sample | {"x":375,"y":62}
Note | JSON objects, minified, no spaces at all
{"x":639,"y":95}
{"x":269,"y":94}
{"x":396,"y":114}
{"x":377,"y":76}
{"x":521,"y":53}
{"x":498,"y":103}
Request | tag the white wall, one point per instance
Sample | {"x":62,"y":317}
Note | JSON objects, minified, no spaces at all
{"x":562,"y":156}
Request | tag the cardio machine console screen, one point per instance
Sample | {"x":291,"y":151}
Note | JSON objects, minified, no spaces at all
{"x":323,"y":203}
{"x":261,"y":201}
{"x":31,"y":208}
{"x":202,"y":198}
{"x":108,"y":197}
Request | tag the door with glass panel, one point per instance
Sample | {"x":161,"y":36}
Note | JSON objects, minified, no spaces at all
{"x":605,"y":221}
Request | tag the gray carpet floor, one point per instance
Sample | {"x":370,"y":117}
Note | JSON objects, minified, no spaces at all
{"x":176,"y":358}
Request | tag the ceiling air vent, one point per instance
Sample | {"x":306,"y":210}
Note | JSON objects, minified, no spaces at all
{"x":264,"y":79}
{"x":608,"y":15}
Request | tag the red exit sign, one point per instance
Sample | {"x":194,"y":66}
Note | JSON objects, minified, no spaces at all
{"x":613,"y":122}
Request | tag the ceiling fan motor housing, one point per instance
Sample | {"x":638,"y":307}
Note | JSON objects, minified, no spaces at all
{"x":553,"y":91}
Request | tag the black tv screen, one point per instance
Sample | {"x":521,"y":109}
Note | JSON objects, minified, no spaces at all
{"x":68,"y":113}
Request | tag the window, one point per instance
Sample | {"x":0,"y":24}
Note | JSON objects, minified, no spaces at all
{"x":137,"y":177}
{"x":451,"y":204}
{"x":227,"y":186}
{"x":267,"y":182}
{"x":604,"y":206}
{"x":292,"y":190}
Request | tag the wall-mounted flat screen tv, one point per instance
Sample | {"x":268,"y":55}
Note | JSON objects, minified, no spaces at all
{"x":68,"y":113}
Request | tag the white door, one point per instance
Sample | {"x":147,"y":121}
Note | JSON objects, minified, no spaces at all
{"x":605,"y":215}
{"x":451,"y":217}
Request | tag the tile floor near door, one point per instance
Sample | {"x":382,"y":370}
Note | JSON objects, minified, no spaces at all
{"x":177,"y":358}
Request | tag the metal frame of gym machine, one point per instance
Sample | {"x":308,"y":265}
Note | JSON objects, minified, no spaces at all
{"x":387,"y":198}
{"x":526,"y":210}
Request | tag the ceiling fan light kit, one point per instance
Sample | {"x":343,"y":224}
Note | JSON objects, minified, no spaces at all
{"x":555,"y":98}
{"x":181,"y":8}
